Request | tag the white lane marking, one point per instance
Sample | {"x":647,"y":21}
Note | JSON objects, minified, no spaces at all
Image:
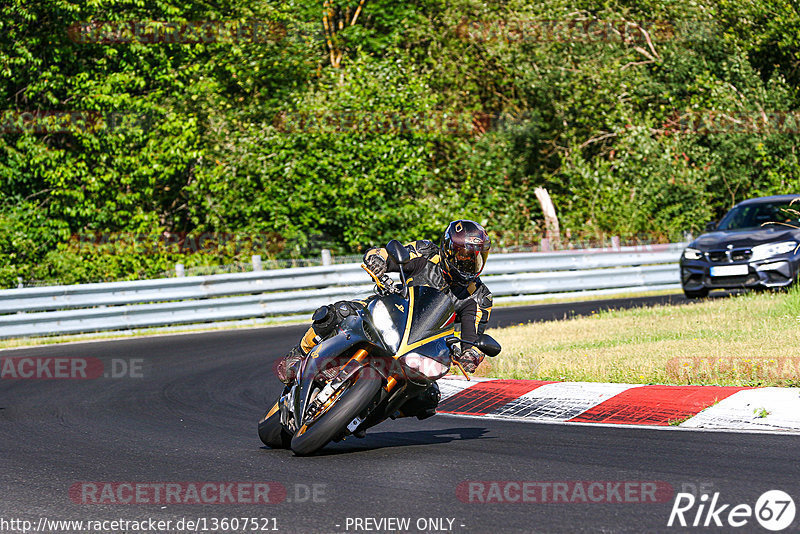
{"x":561,"y":401}
{"x":616,"y":425}
{"x":753,"y":409}
{"x":450,"y":386}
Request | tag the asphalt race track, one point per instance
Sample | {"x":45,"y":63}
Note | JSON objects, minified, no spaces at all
{"x":192,"y":414}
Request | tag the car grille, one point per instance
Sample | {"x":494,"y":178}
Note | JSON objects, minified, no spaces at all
{"x":732,"y":281}
{"x":721,"y":256}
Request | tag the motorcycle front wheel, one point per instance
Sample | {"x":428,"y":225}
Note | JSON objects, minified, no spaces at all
{"x":351,"y":402}
{"x":271,"y":431}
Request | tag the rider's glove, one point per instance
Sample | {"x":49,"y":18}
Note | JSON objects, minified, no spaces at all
{"x":376,"y":264}
{"x":469,"y":359}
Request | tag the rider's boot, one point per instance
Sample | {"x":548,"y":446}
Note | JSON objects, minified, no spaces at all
{"x":422,"y":405}
{"x":288,"y":366}
{"x":324,"y":321}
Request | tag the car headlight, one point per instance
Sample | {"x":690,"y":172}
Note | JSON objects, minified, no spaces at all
{"x":692,"y":254}
{"x":761,"y":252}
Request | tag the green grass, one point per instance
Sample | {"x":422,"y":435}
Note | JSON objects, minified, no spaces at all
{"x":751,"y":339}
{"x":588,"y":297}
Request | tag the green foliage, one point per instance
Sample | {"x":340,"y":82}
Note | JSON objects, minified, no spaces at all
{"x":438,"y":110}
{"x":330,"y":171}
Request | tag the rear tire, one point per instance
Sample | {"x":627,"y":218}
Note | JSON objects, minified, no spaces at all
{"x":271,"y":431}
{"x":332,"y":423}
{"x":697,"y":294}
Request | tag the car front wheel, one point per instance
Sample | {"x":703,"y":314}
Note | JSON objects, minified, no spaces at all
{"x":696,"y":294}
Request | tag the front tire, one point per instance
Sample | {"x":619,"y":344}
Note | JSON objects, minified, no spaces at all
{"x":271,"y":431}
{"x":355,"y":399}
{"x":697,"y":294}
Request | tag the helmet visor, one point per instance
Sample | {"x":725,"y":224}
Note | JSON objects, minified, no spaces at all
{"x":469,"y":259}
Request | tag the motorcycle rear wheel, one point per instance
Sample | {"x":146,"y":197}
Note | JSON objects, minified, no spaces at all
{"x":332,"y":423}
{"x":271,"y":431}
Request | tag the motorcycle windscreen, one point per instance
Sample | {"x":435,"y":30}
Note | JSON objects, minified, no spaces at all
{"x":431,"y":317}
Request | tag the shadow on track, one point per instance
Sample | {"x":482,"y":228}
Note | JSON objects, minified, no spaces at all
{"x":385,"y":440}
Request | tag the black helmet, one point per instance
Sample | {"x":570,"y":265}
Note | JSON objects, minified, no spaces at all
{"x":465,"y":247}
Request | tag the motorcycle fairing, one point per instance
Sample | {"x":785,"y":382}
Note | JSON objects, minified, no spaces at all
{"x":426,"y":316}
{"x":428,"y":362}
{"x":432,"y":317}
{"x":319,"y":358}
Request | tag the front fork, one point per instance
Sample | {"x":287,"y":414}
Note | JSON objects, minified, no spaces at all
{"x":390,"y":392}
{"x":353,"y":365}
{"x":285,"y":404}
{"x":348,"y":370}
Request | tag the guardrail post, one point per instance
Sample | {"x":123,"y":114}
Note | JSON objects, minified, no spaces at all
{"x":179,"y":271}
{"x":19,"y":283}
{"x":615,"y":242}
{"x":545,"y":244}
{"x":257,"y":265}
{"x":326,"y":257}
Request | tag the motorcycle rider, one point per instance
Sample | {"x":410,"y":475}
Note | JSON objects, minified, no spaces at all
{"x":454,"y":267}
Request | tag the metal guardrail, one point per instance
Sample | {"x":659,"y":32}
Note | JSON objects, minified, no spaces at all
{"x":149,"y":303}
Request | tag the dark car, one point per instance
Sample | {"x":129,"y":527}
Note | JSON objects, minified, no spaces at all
{"x":754,"y":246}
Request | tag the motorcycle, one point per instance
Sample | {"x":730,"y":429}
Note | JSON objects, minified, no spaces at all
{"x":381,"y":356}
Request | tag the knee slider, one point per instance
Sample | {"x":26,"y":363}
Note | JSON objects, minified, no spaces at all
{"x":324,"y":320}
{"x":433,"y":394}
{"x":344,"y":309}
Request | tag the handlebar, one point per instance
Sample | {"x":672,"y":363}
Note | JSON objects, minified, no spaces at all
{"x":385,"y":285}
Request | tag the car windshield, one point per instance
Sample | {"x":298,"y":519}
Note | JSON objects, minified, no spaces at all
{"x":756,"y":215}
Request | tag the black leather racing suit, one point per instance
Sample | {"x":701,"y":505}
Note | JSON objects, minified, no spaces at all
{"x":472,"y":302}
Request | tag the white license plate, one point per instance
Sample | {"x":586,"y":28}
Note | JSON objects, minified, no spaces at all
{"x":729,"y":270}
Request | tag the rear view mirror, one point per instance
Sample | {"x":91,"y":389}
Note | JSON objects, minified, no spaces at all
{"x":398,"y":252}
{"x":711,"y":226}
{"x":487,"y":345}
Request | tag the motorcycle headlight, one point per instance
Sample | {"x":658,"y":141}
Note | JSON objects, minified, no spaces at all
{"x":692,"y":254}
{"x":761,"y":252}
{"x":383,"y":323}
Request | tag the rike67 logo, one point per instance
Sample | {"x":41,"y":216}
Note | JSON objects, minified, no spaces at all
{"x":774,"y":510}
